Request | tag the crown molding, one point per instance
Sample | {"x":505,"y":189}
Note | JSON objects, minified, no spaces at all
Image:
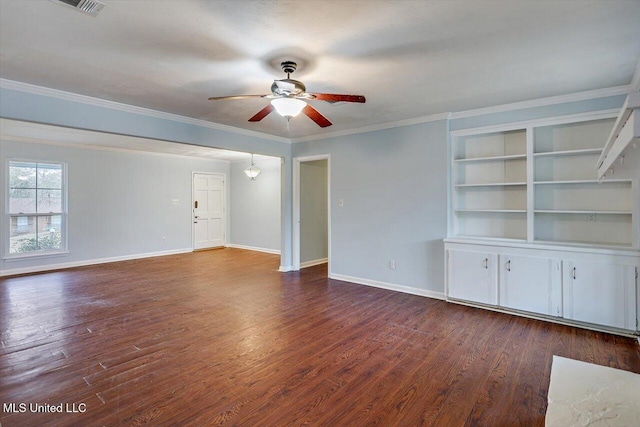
{"x":553,"y":100}
{"x":542,"y":102}
{"x":31,"y":140}
{"x":372,"y":128}
{"x":98,"y":102}
{"x":544,"y":121}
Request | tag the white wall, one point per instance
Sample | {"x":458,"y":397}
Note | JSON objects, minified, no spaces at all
{"x":255,"y":205}
{"x":58,"y":108}
{"x":119,"y":203}
{"x":394,"y":186}
{"x":313,"y":211}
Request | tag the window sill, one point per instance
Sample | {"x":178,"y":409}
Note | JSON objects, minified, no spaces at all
{"x":23,"y":257}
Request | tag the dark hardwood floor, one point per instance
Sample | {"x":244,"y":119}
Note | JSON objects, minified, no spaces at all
{"x":222,"y":338}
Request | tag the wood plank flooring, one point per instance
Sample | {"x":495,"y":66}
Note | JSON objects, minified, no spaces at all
{"x":221,"y":338}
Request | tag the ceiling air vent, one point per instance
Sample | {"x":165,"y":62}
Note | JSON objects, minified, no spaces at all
{"x":90,"y":7}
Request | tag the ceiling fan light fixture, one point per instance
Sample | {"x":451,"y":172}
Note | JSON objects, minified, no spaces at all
{"x":288,"y":107}
{"x":252,"y":171}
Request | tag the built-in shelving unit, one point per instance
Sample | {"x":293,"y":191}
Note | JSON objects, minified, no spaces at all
{"x":538,"y":184}
{"x":570,"y":205}
{"x":534,"y":230}
{"x":490,"y":183}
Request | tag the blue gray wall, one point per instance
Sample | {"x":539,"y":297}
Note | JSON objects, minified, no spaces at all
{"x":255,"y":206}
{"x":393,"y":184}
{"x":35,"y":107}
{"x":120,"y":204}
{"x":611,"y":102}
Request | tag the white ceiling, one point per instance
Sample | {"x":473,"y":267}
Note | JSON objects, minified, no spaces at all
{"x":409,"y":58}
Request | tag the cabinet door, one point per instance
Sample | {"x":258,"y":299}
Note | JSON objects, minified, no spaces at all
{"x":472,"y":276}
{"x":531,"y":284}
{"x":600,"y":293}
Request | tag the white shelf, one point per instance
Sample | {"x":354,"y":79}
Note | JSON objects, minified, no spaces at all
{"x":493,"y":210}
{"x":569,"y":152}
{"x":552,"y":211}
{"x":493,"y":159}
{"x":583,"y":244}
{"x":583,"y":181}
{"x":491,"y":239}
{"x":495,"y":184}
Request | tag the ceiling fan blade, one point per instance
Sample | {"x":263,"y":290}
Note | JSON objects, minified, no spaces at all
{"x":219,"y":98}
{"x":315,"y":115}
{"x":262,"y":113}
{"x":332,"y":97}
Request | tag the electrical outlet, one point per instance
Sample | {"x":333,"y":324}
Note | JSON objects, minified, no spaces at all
{"x":591,"y":217}
{"x":340,"y":202}
{"x":392,"y":265}
{"x":164,"y":240}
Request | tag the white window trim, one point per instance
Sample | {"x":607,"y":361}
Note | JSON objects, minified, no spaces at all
{"x":7,"y":215}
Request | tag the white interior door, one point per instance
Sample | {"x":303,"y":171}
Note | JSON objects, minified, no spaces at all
{"x":208,"y":211}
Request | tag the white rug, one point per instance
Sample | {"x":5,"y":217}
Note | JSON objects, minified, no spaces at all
{"x":583,"y":394}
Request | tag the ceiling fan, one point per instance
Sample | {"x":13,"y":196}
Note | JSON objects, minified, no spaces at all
{"x":288,"y":98}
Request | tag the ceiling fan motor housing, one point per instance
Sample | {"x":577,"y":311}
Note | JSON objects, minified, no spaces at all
{"x":288,"y":87}
{"x":288,"y":66}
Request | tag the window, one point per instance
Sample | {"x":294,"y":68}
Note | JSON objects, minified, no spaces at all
{"x":37,"y":208}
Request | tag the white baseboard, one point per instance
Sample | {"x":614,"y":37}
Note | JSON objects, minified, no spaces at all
{"x":314,"y":262}
{"x":51,"y":267}
{"x":254,"y":248}
{"x":552,"y":319}
{"x":389,"y":286}
{"x":285,"y":268}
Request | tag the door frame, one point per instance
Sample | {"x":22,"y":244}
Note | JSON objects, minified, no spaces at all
{"x":296,"y":208}
{"x":224,"y":207}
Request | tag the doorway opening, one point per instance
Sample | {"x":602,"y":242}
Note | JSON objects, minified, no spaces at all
{"x":311,"y":212}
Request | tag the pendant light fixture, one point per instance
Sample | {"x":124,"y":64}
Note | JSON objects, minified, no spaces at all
{"x":252,"y":171}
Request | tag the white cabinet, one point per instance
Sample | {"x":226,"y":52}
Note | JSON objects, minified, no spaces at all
{"x":600,"y":293}
{"x":579,"y":286}
{"x":531,"y":284}
{"x":473,"y":277}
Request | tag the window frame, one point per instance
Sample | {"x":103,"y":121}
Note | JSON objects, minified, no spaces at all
{"x":63,"y":211}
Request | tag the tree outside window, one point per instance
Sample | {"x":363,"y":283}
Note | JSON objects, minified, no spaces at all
{"x":36,"y":207}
